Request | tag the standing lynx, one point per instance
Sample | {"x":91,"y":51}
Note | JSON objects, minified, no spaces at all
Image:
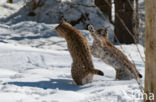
{"x":102,"y":48}
{"x":82,"y":66}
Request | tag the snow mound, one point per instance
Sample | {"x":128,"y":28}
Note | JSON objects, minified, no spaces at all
{"x":51,"y":11}
{"x":39,"y":35}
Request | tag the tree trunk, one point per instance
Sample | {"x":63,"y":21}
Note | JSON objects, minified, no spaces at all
{"x":10,"y":1}
{"x":105,"y":6}
{"x":126,"y":21}
{"x":150,"y":63}
{"x":136,"y":21}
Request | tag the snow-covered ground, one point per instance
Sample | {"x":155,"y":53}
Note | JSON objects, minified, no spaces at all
{"x":35,"y":66}
{"x":38,"y":75}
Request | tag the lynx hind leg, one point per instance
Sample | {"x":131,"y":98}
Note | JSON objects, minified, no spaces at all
{"x":77,"y":81}
{"x":117,"y":74}
{"x":123,"y":75}
{"x":87,"y":79}
{"x":75,"y":75}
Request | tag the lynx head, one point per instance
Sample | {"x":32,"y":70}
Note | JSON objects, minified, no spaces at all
{"x":63,"y":28}
{"x":102,"y":33}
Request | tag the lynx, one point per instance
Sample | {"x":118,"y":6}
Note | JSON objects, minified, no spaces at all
{"x":82,"y":66}
{"x":102,"y":48}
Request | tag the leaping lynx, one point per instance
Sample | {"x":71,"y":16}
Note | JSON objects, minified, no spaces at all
{"x":102,"y":48}
{"x":82,"y":66}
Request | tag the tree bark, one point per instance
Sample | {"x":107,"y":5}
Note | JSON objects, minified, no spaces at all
{"x":136,"y":21}
{"x":105,"y":6}
{"x":125,"y":11}
{"x":10,"y":1}
{"x":150,"y":63}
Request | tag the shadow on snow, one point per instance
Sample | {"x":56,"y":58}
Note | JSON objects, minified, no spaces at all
{"x":61,"y":84}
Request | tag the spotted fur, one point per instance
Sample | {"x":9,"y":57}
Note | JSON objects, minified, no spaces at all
{"x":102,"y":48}
{"x":82,"y":66}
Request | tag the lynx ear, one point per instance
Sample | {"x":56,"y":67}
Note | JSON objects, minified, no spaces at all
{"x":106,"y":32}
{"x":107,"y":27}
{"x":62,"y":19}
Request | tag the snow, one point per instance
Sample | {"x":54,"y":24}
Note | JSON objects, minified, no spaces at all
{"x":35,"y":66}
{"x":53,"y":10}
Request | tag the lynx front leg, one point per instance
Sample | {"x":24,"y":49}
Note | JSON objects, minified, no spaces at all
{"x":118,"y":76}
